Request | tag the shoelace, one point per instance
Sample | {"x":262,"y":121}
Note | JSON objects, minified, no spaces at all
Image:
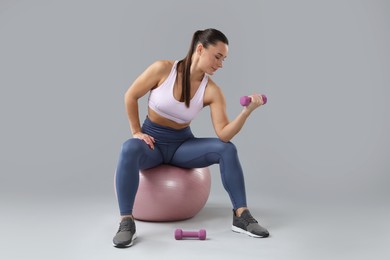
{"x":125,"y":226}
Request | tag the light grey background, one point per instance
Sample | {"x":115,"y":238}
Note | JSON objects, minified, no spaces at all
{"x":321,"y":143}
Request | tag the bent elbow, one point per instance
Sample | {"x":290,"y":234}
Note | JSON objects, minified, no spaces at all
{"x":224,"y":139}
{"x":128,"y":97}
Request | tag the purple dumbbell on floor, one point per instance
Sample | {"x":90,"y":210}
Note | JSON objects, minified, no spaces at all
{"x":179,"y":234}
{"x":246,"y":100}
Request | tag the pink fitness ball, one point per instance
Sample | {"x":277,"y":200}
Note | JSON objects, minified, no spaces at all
{"x":169,"y":193}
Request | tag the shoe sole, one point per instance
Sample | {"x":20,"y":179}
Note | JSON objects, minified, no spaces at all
{"x":242,"y":231}
{"x":125,"y":246}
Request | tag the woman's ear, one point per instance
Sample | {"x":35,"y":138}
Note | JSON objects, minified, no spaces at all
{"x":199,"y":48}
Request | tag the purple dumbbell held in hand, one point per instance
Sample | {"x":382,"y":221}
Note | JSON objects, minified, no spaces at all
{"x":246,"y":100}
{"x":179,"y":234}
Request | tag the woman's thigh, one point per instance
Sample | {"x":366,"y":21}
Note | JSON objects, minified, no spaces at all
{"x":200,"y":152}
{"x":137,"y":154}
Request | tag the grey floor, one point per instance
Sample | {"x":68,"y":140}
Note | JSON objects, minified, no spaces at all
{"x":83,"y":229}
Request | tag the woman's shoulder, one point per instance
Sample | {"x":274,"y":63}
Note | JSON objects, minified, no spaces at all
{"x":212,"y":86}
{"x":159,"y":70}
{"x":162,"y":66}
{"x":212,"y":93}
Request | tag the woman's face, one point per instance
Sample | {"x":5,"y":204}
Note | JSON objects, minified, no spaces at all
{"x":212,"y":57}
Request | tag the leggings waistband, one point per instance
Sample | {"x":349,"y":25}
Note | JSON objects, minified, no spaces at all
{"x":165,"y":133}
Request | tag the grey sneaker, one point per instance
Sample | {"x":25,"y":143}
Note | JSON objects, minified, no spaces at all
{"x":126,"y":233}
{"x":246,"y":224}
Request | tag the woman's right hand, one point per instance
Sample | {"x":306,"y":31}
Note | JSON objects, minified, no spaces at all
{"x":149,"y":140}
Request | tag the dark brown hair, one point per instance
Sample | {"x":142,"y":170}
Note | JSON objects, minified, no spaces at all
{"x":205,"y":37}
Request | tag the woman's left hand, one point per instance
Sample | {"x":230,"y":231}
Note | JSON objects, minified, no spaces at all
{"x":256,"y":101}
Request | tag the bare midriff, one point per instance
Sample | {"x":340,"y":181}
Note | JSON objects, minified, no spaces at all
{"x":157,"y":119}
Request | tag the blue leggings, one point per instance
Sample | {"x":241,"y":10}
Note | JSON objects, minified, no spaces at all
{"x":179,"y":148}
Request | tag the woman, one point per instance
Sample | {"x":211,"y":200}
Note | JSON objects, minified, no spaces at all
{"x":178,"y":91}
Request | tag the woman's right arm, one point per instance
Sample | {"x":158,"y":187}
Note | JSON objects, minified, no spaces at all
{"x":149,"y":79}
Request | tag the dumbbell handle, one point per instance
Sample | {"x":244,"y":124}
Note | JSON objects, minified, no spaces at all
{"x":179,"y":234}
{"x":246,"y":100}
{"x":190,"y":233}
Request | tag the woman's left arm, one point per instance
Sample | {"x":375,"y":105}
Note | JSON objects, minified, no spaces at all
{"x":224,"y":128}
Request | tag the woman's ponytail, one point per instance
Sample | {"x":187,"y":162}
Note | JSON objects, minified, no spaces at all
{"x":205,"y":37}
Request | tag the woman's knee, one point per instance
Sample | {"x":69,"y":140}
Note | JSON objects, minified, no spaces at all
{"x":133,"y":146}
{"x":224,"y":147}
{"x":230,"y":148}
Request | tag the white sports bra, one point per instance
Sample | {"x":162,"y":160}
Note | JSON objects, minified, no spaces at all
{"x":162,"y":101}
